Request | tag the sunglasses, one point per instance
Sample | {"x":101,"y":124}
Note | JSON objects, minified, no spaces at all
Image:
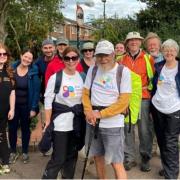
{"x":73,"y":58}
{"x":3,"y":54}
{"x":86,"y":50}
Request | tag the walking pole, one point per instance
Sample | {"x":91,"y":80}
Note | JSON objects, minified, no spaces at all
{"x":93,"y":134}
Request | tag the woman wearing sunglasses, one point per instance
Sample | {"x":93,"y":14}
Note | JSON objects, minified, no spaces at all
{"x":88,"y":56}
{"x":7,"y":102}
{"x":63,"y":109}
{"x":26,"y":107}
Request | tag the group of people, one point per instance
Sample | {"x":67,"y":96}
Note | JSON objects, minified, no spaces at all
{"x":99,"y":88}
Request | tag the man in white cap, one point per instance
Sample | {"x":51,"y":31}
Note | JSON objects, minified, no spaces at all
{"x":142,"y":64}
{"x":108,"y":101}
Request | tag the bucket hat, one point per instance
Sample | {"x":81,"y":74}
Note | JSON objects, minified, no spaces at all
{"x":133,"y":35}
{"x":88,"y":45}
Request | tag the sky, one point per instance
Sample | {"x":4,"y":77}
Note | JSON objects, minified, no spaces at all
{"x":122,"y":8}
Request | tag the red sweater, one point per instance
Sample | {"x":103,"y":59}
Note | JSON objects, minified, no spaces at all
{"x":56,"y":65}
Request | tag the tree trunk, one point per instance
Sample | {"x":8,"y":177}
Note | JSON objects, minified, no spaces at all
{"x":3,"y":17}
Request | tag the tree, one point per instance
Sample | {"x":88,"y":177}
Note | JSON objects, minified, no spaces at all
{"x":161,"y":16}
{"x":27,"y":22}
{"x":3,"y":17}
{"x":115,"y":29}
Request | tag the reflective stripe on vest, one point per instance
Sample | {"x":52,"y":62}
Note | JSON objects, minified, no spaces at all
{"x":149,"y":71}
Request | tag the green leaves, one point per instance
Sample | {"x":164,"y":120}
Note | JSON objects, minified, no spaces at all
{"x":28,"y":21}
{"x":162,"y":17}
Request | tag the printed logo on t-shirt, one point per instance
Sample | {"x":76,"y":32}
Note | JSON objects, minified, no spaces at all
{"x":160,"y":80}
{"x":105,"y":82}
{"x":68,"y":91}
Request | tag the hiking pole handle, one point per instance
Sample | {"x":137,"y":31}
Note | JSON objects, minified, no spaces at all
{"x":96,"y":128}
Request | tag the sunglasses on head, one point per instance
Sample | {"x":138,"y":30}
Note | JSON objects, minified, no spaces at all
{"x":3,"y":54}
{"x":90,"y":50}
{"x":73,"y":58}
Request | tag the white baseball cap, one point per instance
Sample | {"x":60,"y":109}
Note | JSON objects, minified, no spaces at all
{"x":104,"y":47}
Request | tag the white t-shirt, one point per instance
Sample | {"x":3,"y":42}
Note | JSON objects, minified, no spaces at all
{"x":70,"y":94}
{"x":105,"y":92}
{"x":166,"y":98}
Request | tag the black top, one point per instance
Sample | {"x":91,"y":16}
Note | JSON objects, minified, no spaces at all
{"x":5,"y":90}
{"x":85,"y":66}
{"x":21,"y":89}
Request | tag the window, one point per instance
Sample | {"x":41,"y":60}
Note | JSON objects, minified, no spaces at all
{"x":86,"y":32}
{"x":59,"y":28}
{"x":74,"y":29}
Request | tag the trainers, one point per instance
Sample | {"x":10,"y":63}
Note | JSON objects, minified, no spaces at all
{"x":128,"y":165}
{"x":48,"y":153}
{"x":13,"y":157}
{"x":145,"y":166}
{"x":5,"y":169}
{"x":25,"y":158}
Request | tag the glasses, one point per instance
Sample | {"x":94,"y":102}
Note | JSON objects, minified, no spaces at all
{"x":3,"y":54}
{"x":73,"y":58}
{"x":86,"y":50}
{"x":169,"y":51}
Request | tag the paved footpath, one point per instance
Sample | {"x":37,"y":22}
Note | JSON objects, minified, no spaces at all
{"x":34,"y":169}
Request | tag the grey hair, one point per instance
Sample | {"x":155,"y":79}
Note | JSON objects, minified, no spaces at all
{"x":170,"y":43}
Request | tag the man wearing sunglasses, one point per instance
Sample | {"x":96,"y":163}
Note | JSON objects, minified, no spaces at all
{"x":88,"y":56}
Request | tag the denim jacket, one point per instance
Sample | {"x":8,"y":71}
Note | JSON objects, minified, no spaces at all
{"x":33,"y":86}
{"x":158,"y":68}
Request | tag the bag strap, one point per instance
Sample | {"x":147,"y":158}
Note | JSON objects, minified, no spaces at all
{"x":58,"y":82}
{"x":83,"y":76}
{"x":94,"y":71}
{"x":119,"y":76}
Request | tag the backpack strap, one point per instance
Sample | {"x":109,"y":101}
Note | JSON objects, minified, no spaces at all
{"x":83,"y":76}
{"x":119,"y":76}
{"x":58,"y":82}
{"x":94,"y":71}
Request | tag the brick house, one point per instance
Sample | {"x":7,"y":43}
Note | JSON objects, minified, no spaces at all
{"x":68,"y":29}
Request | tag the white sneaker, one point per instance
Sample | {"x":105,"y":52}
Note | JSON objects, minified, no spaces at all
{"x":5,"y":169}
